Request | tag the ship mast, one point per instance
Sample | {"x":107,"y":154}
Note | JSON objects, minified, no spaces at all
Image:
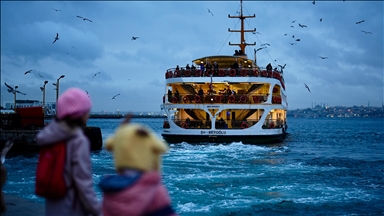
{"x":242,"y":43}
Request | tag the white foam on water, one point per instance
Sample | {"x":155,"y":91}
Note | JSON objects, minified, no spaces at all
{"x":192,"y":207}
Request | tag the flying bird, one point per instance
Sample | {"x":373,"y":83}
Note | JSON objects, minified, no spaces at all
{"x":321,"y":19}
{"x":307,"y":87}
{"x":41,"y":76}
{"x":95,"y":74}
{"x":293,"y":21}
{"x":313,"y":2}
{"x":55,"y":9}
{"x":360,"y":22}
{"x":83,"y":18}
{"x":323,"y":57}
{"x":114,"y":97}
{"x":366,"y":32}
{"x":297,"y":39}
{"x":27,"y":72}
{"x":209,"y":11}
{"x":56,"y":38}
{"x":258,"y":49}
{"x":292,"y":43}
{"x":292,"y":26}
{"x":293,"y":36}
{"x":302,"y":26}
{"x":12,"y":90}
{"x":265,"y":44}
{"x":134,"y":38}
{"x":285,"y":34}
{"x":282,"y":66}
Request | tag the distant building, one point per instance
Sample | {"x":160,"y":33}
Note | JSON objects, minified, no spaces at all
{"x":50,"y":107}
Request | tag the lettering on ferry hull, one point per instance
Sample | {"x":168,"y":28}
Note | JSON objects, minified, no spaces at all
{"x":215,"y":132}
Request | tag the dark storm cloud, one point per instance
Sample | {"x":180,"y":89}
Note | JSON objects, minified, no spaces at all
{"x":175,"y":33}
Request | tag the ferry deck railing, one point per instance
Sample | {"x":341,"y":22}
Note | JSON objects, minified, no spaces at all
{"x":219,"y":98}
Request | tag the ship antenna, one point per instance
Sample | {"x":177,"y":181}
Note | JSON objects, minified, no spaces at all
{"x":242,"y":43}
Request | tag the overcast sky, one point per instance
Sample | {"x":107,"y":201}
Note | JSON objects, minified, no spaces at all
{"x":175,"y":33}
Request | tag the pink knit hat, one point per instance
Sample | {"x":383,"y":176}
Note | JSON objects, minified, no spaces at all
{"x":73,"y":103}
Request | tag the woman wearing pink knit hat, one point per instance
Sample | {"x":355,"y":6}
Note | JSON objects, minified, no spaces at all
{"x":72,"y":113}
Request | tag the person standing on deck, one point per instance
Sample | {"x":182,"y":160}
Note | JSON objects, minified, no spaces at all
{"x":202,"y":68}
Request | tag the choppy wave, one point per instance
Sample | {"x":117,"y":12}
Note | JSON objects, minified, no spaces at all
{"x":325,"y":167}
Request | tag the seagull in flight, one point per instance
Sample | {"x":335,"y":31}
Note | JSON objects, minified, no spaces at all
{"x":292,"y":43}
{"x":366,"y":32}
{"x":302,"y":26}
{"x":134,"y":38}
{"x":307,"y":87}
{"x":282,"y":66}
{"x":12,"y":90}
{"x":55,"y":9}
{"x":313,"y":2}
{"x":293,"y":21}
{"x":41,"y":76}
{"x":323,"y":57}
{"x":258,"y":49}
{"x":298,"y":39}
{"x":321,"y":19}
{"x":209,"y":11}
{"x":95,"y":74}
{"x":56,"y":38}
{"x":27,"y":72}
{"x":83,"y":18}
{"x":114,"y":97}
{"x":360,"y":22}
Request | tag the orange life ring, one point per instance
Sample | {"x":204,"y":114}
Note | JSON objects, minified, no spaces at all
{"x":231,"y":98}
{"x":221,"y":72}
{"x":185,"y":98}
{"x":256,"y":99}
{"x":243,"y":72}
{"x":264,"y":73}
{"x":197,"y":73}
{"x":243,"y":98}
{"x":177,"y":73}
{"x":184,"y":125}
{"x":232,"y":72}
{"x":175,"y":100}
{"x":187,"y":73}
{"x":197,"y":98}
{"x":217,"y":98}
{"x":256,"y":72}
{"x":244,"y":125}
{"x":208,"y":72}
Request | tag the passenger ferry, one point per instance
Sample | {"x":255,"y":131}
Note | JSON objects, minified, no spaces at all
{"x":225,"y":99}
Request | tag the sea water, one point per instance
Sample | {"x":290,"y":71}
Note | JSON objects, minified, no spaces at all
{"x":324,"y":167}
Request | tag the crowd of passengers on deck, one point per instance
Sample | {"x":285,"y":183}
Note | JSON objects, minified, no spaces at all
{"x":208,"y":69}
